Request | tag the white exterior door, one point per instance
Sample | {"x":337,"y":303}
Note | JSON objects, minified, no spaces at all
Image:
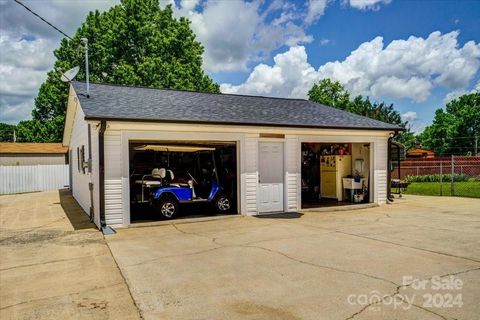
{"x":270,"y":197}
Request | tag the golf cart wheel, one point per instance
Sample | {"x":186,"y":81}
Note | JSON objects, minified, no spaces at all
{"x":223,"y":204}
{"x":168,"y":207}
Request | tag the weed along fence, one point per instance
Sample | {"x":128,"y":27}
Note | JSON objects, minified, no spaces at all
{"x":446,"y":176}
{"x":18,"y":179}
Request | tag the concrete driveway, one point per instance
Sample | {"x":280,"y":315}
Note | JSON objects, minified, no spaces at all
{"x":54,"y":264}
{"x":362,"y":264}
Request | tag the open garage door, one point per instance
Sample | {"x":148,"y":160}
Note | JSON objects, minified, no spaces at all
{"x":175,"y":179}
{"x":335,"y":174}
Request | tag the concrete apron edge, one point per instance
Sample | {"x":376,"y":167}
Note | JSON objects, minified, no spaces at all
{"x":181,"y":221}
{"x":212,"y":218}
{"x":341,"y":208}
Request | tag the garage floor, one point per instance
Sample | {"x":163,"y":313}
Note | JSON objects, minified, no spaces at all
{"x":309,"y":266}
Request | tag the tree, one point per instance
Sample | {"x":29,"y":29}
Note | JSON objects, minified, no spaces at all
{"x":334,"y":94}
{"x":39,"y":131}
{"x":330,"y":93}
{"x":134,"y":43}
{"x":454,"y":130}
{"x":6,"y":132}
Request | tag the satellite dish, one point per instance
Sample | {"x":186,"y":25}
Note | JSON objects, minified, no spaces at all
{"x":70,"y":74}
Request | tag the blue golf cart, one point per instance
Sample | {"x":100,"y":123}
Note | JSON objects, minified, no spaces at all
{"x":164,"y":191}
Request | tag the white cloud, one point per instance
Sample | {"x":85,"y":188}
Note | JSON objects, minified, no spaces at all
{"x":26,"y":48}
{"x":189,"y":5}
{"x":403,"y":69}
{"x":290,"y":76}
{"x":414,"y":123}
{"x":316,"y":9}
{"x":458,"y":93}
{"x":409,"y":116}
{"x":418,"y":89}
{"x":236,"y":33}
{"x":453,"y":95}
{"x":324,"y":42}
{"x":36,"y":54}
{"x":66,"y":15}
{"x":367,"y":4}
{"x":23,"y":67}
{"x":14,"y":109}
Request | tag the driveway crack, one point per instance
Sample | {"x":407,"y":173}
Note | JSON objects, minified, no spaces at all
{"x":215,"y":240}
{"x":52,"y":261}
{"x":406,"y":246}
{"x":61,"y":295}
{"x":319,"y":265}
{"x":397,"y":291}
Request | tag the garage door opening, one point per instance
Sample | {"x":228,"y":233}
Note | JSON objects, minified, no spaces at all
{"x":335,"y":174}
{"x":175,"y":180}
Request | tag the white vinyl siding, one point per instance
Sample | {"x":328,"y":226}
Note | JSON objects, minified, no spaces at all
{"x":250,"y":176}
{"x":95,"y":174}
{"x":80,"y":180}
{"x":113,"y":154}
{"x":114,"y":210}
{"x":292,"y":173}
{"x":380,"y":170}
{"x":113,"y":202}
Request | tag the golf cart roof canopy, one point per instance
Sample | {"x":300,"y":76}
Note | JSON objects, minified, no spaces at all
{"x":170,"y":148}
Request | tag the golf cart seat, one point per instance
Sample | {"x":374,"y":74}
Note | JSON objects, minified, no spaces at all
{"x":156,"y":174}
{"x":178,"y":183}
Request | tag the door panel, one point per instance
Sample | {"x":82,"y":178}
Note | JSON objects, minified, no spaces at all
{"x":270,"y":177}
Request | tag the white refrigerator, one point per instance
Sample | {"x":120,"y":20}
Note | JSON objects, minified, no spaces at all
{"x":332,"y":170}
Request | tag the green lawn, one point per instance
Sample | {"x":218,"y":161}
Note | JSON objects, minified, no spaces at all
{"x":462,"y":189}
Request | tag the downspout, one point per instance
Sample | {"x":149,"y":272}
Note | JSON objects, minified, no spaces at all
{"x":399,"y":172}
{"x":101,"y":172}
{"x":90,"y":184}
{"x":389,"y":167}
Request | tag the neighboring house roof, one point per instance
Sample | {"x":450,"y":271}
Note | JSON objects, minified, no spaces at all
{"x":30,"y":148}
{"x":418,"y":152}
{"x":119,"y":102}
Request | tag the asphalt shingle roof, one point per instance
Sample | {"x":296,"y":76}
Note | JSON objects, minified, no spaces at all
{"x":118,"y":102}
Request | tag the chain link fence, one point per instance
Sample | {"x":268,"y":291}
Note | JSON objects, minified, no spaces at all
{"x":445,"y":176}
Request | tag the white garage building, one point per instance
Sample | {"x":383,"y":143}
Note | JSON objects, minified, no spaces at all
{"x":271,"y":136}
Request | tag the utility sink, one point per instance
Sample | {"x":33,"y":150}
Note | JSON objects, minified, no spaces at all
{"x":349,"y":183}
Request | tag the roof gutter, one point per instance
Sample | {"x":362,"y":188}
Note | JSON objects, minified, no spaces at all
{"x":397,"y":129}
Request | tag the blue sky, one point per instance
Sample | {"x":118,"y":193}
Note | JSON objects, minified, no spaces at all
{"x":414,"y":54}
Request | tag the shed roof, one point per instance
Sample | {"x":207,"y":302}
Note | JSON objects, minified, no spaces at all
{"x":37,"y":148}
{"x":120,"y":102}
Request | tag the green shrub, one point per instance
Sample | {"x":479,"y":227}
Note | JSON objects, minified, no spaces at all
{"x":436,"y":178}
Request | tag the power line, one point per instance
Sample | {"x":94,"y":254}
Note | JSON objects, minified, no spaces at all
{"x":38,"y":16}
